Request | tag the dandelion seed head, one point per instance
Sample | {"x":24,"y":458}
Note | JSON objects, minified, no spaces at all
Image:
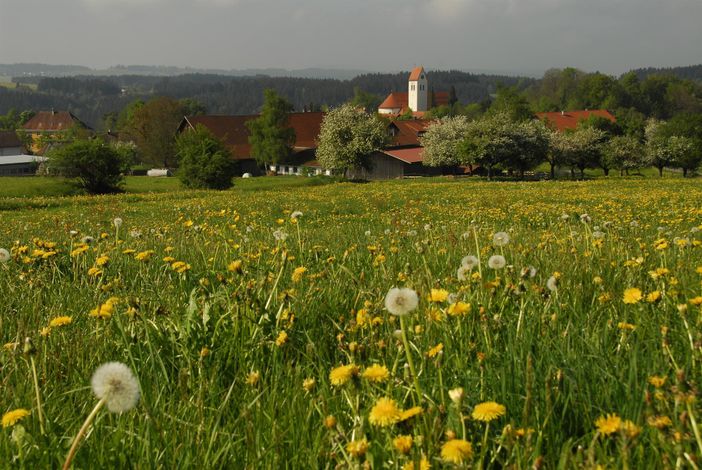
{"x":4,"y":255}
{"x":497,"y":262}
{"x":500,"y":239}
{"x":118,"y":222}
{"x":469,"y":261}
{"x":116,"y":384}
{"x":401,"y":301}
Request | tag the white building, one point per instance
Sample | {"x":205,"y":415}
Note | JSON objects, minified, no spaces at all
{"x":418,"y":99}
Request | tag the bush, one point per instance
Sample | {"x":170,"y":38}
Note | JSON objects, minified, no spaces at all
{"x":97,"y":166}
{"x":204,"y":161}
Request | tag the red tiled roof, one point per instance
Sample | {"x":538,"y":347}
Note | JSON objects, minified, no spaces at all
{"x":416,"y":72}
{"x":53,"y":121}
{"x":408,"y":131}
{"x":410,"y":155}
{"x":9,"y":139}
{"x":570,"y":119}
{"x":399,"y":99}
{"x":233,"y":132}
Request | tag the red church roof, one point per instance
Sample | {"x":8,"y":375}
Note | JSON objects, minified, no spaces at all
{"x":416,"y":72}
{"x":400,"y":100}
{"x":563,"y":120}
{"x":233,"y":132}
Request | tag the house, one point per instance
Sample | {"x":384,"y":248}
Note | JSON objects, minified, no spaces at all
{"x":13,"y":161}
{"x":562,"y":120}
{"x":232,"y":130}
{"x":418,"y":99}
{"x":407,"y":132}
{"x":52,"y":126}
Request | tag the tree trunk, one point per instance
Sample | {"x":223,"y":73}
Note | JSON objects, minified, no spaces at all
{"x":582,"y":173}
{"x":553,"y":171}
{"x":660,"y":171}
{"x":489,"y":172}
{"x":521,"y":174}
{"x":606,"y":171}
{"x":684,"y":172}
{"x":621,"y":172}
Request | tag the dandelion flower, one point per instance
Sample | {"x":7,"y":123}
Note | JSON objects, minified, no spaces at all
{"x":115,"y":383}
{"x":253,"y":377}
{"x":463,"y":272}
{"x":117,"y":222}
{"x":60,"y":321}
{"x":403,"y":444}
{"x":298,"y":273}
{"x":12,"y":417}
{"x":438,"y":295}
{"x":630,"y":429}
{"x":469,"y":261}
{"x":608,"y":424}
{"x":659,"y":422}
{"x":552,"y":283}
{"x":4,"y":255}
{"x":281,"y":339}
{"x":385,"y":412}
{"x":500,"y":239}
{"x":410,"y":413}
{"x":376,"y":373}
{"x":488,"y":411}
{"x":329,"y":422}
{"x":357,"y":448}
{"x":632,"y":295}
{"x":459,"y":308}
{"x":296,"y":215}
{"x":657,"y":381}
{"x":308,"y":384}
{"x":497,"y":262}
{"x":342,"y":374}
{"x":456,"y":451}
{"x":401,"y":301}
{"x":456,"y":395}
{"x":423,"y":465}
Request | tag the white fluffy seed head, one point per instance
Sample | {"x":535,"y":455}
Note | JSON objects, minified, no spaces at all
{"x":4,"y":255}
{"x":116,"y":383}
{"x":117,"y":222}
{"x":401,"y":301}
{"x":469,"y":261}
{"x":500,"y":239}
{"x":463,"y":272}
{"x":552,"y":284}
{"x":497,"y":262}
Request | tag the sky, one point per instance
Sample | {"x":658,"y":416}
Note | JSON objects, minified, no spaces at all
{"x":529,"y":36}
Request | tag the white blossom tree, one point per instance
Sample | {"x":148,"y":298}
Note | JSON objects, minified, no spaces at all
{"x":348,"y":137}
{"x":624,"y":153}
{"x":442,"y":139}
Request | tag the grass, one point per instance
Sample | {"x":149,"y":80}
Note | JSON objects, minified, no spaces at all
{"x":233,"y":342}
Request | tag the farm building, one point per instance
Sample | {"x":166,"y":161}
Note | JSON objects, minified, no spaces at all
{"x":562,"y":120}
{"x":13,"y":161}
{"x":51,"y":126}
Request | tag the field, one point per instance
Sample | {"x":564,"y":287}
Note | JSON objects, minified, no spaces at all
{"x":255,"y":321}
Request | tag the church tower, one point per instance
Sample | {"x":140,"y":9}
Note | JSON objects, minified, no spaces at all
{"x":418,"y":90}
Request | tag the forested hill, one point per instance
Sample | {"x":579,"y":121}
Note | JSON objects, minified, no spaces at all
{"x":92,"y":98}
{"x":690,"y":72}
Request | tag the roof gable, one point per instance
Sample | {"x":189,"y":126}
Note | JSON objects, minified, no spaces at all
{"x":416,"y":73}
{"x":54,"y":121}
{"x":569,"y":119}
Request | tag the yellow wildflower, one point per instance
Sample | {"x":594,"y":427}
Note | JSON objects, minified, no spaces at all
{"x":60,"y":321}
{"x":144,"y":255}
{"x":403,"y":444}
{"x":632,"y":295}
{"x":357,"y":448}
{"x":696,"y":300}
{"x":253,"y":378}
{"x":235,"y":266}
{"x":385,"y":412}
{"x":410,"y":413}
{"x":298,"y":273}
{"x":102,"y":260}
{"x":659,"y":422}
{"x":180,"y":267}
{"x":376,"y":373}
{"x":456,"y":451}
{"x":487,"y":411}
{"x":657,"y":381}
{"x":653,"y":297}
{"x":459,"y":308}
{"x":308,"y":384}
{"x":281,"y":339}
{"x":608,"y":424}
{"x":342,"y":374}
{"x":12,"y":417}
{"x":436,"y":350}
{"x":423,"y":465}
{"x":438,"y":295}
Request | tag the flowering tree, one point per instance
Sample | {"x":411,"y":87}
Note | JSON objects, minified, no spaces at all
{"x":657,"y":152}
{"x":683,"y":153}
{"x":586,"y":148}
{"x":347,"y":138}
{"x":442,"y":140}
{"x":624,"y":153}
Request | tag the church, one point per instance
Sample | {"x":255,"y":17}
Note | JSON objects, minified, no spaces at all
{"x":418,"y":99}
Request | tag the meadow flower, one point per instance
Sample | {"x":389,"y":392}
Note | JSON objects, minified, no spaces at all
{"x":497,"y":262}
{"x":376,"y":373}
{"x":653,"y":297}
{"x":488,"y":411}
{"x":403,"y":444}
{"x":385,"y":412}
{"x":4,"y":255}
{"x":281,"y":339}
{"x":458,"y":308}
{"x":144,"y":255}
{"x":528,"y":272}
{"x":180,"y":267}
{"x":253,"y":377}
{"x":298,"y":273}
{"x":456,"y":451}
{"x":585,"y":218}
{"x":423,"y":465}
{"x":280,"y":235}
{"x":117,"y":222}
{"x":552,"y":283}
{"x":456,"y":395}
{"x":12,"y":417}
{"x":357,"y":447}
{"x":500,"y":239}
{"x":308,"y":384}
{"x":469,"y":261}
{"x":115,"y":383}
{"x":608,"y":424}
{"x":659,"y":422}
{"x":657,"y":381}
{"x":60,"y":321}
{"x":295,"y":215}
{"x":630,"y":429}
{"x":632,"y":295}
{"x":342,"y":374}
{"x":410,"y":413}
{"x":438,"y":295}
{"x":329,"y":422}
{"x":435,"y":351}
{"x":235,"y":266}
{"x":401,"y":301}
{"x":462,"y":273}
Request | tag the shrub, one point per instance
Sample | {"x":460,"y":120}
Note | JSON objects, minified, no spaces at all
{"x":204,"y":161}
{"x":97,"y":166}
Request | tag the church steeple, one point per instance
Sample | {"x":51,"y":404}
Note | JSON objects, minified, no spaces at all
{"x":418,"y":90}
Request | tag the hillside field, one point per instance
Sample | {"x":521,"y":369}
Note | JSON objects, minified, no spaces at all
{"x":255,"y":322}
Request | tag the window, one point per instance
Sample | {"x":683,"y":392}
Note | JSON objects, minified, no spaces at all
{"x":412,"y":87}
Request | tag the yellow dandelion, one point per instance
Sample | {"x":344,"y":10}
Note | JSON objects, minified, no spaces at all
{"x":438,"y":295}
{"x":144,"y":255}
{"x":403,"y":444}
{"x":94,"y":272}
{"x":60,"y":321}
{"x":653,"y":297}
{"x":253,"y":377}
{"x":456,"y":451}
{"x":657,"y":381}
{"x":45,"y":331}
{"x":281,"y":339}
{"x":696,"y":300}
{"x":102,"y":260}
{"x":626,"y":326}
{"x":423,"y":465}
{"x":342,"y":374}
{"x":235,"y":266}
{"x":308,"y":384}
{"x":632,"y":295}
{"x":410,"y":413}
{"x":357,"y":448}
{"x":329,"y":422}
{"x":298,"y":273}
{"x":436,"y":350}
{"x":376,"y":373}
{"x":630,"y":429}
{"x":180,"y":267}
{"x":459,"y":308}
{"x":12,"y":417}
{"x":608,"y":424}
{"x":488,"y":411}
{"x":362,"y":317}
{"x":385,"y":413}
{"x":659,"y":422}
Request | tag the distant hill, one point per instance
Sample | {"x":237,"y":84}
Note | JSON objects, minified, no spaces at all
{"x":690,"y":72}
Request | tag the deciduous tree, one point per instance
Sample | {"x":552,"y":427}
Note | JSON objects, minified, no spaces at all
{"x":271,"y":137}
{"x":442,"y":139}
{"x":204,"y":161}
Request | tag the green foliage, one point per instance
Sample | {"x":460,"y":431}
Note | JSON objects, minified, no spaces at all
{"x":442,"y":140}
{"x":152,"y":126}
{"x":270,"y":136}
{"x":511,"y":103}
{"x":13,"y":120}
{"x":97,"y":166}
{"x":624,"y":153}
{"x":347,"y":138}
{"x":204,"y":161}
{"x":368,"y":101}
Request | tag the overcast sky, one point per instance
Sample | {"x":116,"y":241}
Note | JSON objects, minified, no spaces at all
{"x":611,"y":36}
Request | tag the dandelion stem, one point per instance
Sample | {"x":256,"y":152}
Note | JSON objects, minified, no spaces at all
{"x":81,"y":432}
{"x":408,"y":353}
{"x":477,"y":252}
{"x":36,"y":390}
{"x":695,"y":429}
